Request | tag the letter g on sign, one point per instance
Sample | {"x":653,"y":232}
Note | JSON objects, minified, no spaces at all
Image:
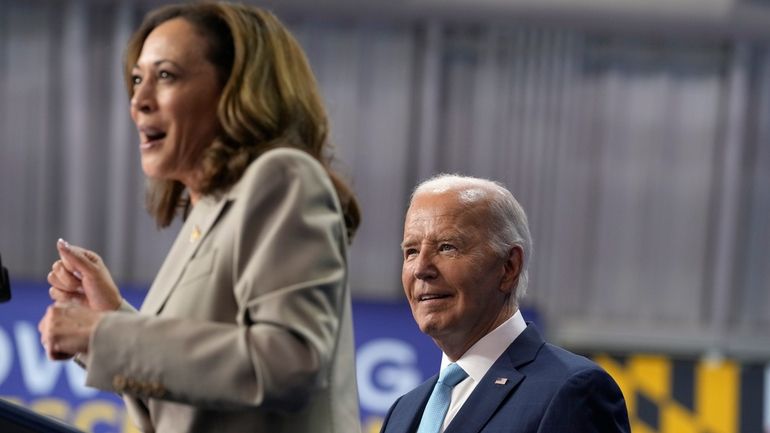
{"x":386,"y":369}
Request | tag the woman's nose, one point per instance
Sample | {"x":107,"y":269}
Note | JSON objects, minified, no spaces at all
{"x":143,"y":99}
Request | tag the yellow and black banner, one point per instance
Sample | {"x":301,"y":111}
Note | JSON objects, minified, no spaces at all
{"x":665,"y":394}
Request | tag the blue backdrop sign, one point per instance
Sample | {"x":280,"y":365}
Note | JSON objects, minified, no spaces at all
{"x":392,"y":357}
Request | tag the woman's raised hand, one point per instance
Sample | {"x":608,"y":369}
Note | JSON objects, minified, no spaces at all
{"x":80,"y":276}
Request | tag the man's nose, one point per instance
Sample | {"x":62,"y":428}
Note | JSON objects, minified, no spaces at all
{"x":424,"y":268}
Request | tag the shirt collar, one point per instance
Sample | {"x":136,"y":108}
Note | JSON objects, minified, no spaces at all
{"x":477,"y":360}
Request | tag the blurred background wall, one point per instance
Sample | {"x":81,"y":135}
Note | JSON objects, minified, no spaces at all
{"x":636,"y":134}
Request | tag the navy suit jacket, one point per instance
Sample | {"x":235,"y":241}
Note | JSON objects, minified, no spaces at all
{"x":548,"y":390}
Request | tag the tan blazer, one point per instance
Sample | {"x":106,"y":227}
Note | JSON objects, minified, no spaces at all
{"x":247,"y":327}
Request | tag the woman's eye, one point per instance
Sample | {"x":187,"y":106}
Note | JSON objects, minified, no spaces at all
{"x":136,"y":80}
{"x":165,"y":75}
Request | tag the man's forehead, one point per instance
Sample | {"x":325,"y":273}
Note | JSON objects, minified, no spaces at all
{"x":434,"y":227}
{"x":439,"y":214}
{"x":423,"y":218}
{"x":432,"y":207}
{"x":446,"y":203}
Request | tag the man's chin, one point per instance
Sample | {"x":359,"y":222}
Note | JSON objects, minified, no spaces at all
{"x":431,"y":327}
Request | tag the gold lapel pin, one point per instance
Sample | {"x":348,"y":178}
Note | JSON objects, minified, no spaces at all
{"x":195,"y":234}
{"x":501,"y":381}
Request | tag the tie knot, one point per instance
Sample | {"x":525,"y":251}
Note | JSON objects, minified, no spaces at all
{"x":452,"y":375}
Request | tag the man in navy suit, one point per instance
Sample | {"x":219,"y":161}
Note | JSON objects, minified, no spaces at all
{"x":466,"y":249}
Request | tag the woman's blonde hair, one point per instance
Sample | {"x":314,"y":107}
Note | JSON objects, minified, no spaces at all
{"x":269,"y":99}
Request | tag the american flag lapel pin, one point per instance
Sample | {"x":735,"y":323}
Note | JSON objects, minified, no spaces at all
{"x":501,"y":381}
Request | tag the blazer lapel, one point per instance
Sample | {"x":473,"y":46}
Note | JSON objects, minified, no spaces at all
{"x":499,"y":382}
{"x":407,"y":414}
{"x":204,"y":215}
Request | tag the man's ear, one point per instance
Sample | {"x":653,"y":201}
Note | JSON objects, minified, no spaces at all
{"x":512,"y":269}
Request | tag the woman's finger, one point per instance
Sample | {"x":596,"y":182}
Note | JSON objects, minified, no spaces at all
{"x":59,"y":295}
{"x":95,"y":281}
{"x":62,"y":278}
{"x":77,"y":260}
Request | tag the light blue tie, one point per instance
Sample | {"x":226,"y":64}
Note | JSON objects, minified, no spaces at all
{"x":438,"y":403}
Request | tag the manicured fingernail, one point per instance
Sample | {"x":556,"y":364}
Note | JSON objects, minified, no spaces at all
{"x":77,"y":275}
{"x":64,"y":244}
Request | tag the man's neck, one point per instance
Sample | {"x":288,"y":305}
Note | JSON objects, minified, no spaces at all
{"x":454,"y":350}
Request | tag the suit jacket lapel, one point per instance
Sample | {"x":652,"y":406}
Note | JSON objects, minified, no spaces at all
{"x":499,"y":382}
{"x":410,"y":408}
{"x":204,"y":215}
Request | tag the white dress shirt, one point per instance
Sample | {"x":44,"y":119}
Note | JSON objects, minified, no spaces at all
{"x":479,"y":359}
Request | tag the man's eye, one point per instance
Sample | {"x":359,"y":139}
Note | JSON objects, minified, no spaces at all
{"x":410,"y":252}
{"x":446,"y":247}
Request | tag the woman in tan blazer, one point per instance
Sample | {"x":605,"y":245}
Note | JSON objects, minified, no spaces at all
{"x":247,"y":327}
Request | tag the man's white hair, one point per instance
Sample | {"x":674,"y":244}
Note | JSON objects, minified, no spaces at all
{"x":508,"y":226}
